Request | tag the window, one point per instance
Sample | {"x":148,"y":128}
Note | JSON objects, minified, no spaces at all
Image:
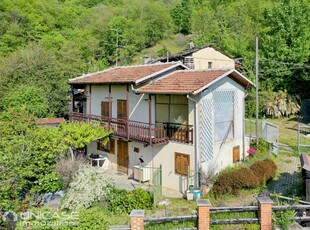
{"x":223,"y":115}
{"x":171,"y":109}
{"x":109,"y":146}
{"x":182,"y":163}
{"x":105,"y":108}
{"x":189,"y":62}
{"x":209,"y":65}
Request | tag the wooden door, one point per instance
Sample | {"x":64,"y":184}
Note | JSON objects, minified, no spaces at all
{"x":105,"y":105}
{"x":122,"y":109}
{"x":122,"y":156}
{"x":236,"y":154}
{"x":122,"y":114}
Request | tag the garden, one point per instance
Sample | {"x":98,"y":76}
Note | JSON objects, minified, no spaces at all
{"x":39,"y":160}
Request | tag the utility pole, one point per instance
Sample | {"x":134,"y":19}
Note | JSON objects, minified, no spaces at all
{"x":256,"y":82}
{"x":116,"y":45}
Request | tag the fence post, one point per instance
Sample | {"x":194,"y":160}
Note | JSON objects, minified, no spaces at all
{"x":137,"y":220}
{"x":203,"y":214}
{"x":265,"y":212}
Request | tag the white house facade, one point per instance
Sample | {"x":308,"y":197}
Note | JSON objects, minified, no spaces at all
{"x":187,"y":121}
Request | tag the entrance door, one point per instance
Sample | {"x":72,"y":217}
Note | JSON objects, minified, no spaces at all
{"x":122,"y":156}
{"x":236,"y":154}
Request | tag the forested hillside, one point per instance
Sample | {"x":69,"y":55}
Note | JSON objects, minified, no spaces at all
{"x":44,"y":43}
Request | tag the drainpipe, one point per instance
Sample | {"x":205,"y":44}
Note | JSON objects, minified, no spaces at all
{"x":243,"y":130}
{"x":196,"y":179}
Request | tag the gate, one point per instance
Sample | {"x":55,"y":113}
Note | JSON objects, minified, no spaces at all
{"x":303,"y":136}
{"x":157,"y":184}
{"x":270,"y":133}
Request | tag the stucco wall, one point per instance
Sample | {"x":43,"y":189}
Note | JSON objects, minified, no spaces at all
{"x":223,"y":151}
{"x":219,"y":60}
{"x":138,"y":104}
{"x":153,"y":157}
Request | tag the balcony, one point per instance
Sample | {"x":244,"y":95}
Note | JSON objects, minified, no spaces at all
{"x":149,"y":134}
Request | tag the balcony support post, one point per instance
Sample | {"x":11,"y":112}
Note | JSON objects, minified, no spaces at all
{"x":127,"y":112}
{"x":72,"y":99}
{"x":150,"y":119}
{"x":110,"y":106}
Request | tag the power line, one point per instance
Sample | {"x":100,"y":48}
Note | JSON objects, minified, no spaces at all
{"x":282,"y":70}
{"x":285,"y":63}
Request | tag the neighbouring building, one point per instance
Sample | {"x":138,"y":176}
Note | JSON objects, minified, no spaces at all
{"x":165,"y":114}
{"x":201,"y":57}
{"x":50,"y":122}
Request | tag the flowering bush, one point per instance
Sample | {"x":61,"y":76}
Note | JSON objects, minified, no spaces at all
{"x":251,"y":151}
{"x":85,"y":189}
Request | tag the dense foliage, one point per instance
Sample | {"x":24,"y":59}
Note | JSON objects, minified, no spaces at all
{"x":232,"y":181}
{"x":28,"y":154}
{"x":44,"y":43}
{"x":123,"y":201}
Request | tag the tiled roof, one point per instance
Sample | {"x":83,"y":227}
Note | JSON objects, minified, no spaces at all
{"x":187,"y":52}
{"x":44,"y":121}
{"x":190,"y":82}
{"x":127,"y":74}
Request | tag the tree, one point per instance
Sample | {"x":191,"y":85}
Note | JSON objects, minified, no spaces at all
{"x":36,"y":67}
{"x":181,"y":16}
{"x":28,"y":154}
{"x":285,"y":45}
{"x":76,"y":135}
{"x":31,"y":98}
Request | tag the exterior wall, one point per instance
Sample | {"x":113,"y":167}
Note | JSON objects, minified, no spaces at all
{"x":222,"y":155}
{"x":153,"y":157}
{"x":138,"y":104}
{"x":219,"y":60}
{"x":165,"y":155}
{"x":92,"y":148}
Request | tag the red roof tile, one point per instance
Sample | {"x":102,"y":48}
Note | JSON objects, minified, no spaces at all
{"x":128,"y":74}
{"x":183,"y":82}
{"x":45,"y":121}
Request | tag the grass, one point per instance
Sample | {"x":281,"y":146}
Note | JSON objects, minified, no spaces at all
{"x":170,"y":225}
{"x":173,"y":44}
{"x":287,"y":133}
{"x":174,"y":207}
{"x":234,"y":215}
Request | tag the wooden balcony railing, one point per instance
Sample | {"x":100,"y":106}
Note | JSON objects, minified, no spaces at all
{"x":150,"y":134}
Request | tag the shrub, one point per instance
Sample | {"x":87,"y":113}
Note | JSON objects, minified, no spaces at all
{"x":66,"y":169}
{"x":86,"y":188}
{"x":262,"y":146}
{"x":233,"y":181}
{"x":92,"y":218}
{"x":123,"y":201}
{"x":264,"y":169}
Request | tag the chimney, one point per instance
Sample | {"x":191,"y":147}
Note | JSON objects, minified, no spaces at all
{"x":191,"y":45}
{"x":146,"y":59}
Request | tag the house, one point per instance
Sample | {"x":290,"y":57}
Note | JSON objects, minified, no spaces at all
{"x":188,"y":121}
{"x":202,"y":57}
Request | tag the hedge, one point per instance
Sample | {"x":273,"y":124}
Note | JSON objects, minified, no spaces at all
{"x":232,"y":181}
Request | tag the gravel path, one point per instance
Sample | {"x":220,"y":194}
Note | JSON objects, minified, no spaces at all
{"x":287,"y":182}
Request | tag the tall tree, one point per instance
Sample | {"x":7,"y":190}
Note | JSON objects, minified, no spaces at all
{"x":28,"y":153}
{"x":285,"y":46}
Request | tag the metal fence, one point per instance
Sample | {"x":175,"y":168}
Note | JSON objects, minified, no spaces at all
{"x":153,"y":176}
{"x":303,"y":136}
{"x":270,"y":133}
{"x":266,"y":130}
